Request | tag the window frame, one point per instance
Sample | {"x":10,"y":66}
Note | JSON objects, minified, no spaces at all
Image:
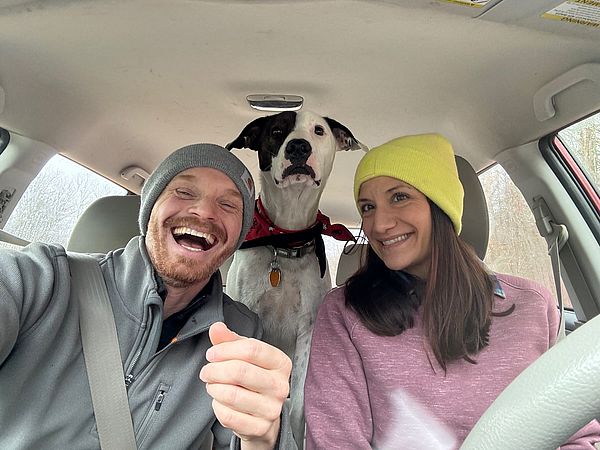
{"x":574,"y":178}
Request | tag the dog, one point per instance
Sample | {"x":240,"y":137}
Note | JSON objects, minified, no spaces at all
{"x":281,"y":271}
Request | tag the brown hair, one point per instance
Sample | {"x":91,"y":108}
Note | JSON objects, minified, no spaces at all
{"x":456,"y":301}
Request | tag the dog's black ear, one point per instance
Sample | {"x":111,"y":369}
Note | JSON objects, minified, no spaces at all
{"x":344,"y":137}
{"x":249,"y":137}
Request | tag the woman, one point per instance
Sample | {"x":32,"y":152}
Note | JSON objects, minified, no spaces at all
{"x":419,"y":342}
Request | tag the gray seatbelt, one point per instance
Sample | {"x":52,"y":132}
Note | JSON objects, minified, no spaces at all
{"x":548,"y":228}
{"x":102,"y":355}
{"x":560,"y":238}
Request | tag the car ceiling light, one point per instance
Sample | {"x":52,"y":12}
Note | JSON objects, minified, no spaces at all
{"x":275,"y":102}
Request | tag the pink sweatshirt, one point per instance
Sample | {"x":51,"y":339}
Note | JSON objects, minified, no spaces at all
{"x":358,"y":384}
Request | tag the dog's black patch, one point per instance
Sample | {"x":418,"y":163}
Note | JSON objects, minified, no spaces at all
{"x":266,"y":136}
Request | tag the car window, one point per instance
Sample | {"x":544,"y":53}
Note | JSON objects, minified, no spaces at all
{"x":515,"y":246}
{"x":582,"y":139}
{"x":333,"y":251}
{"x":52,"y":203}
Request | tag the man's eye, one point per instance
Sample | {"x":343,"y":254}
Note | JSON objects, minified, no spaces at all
{"x":231,"y":206}
{"x":183,"y":193}
{"x":319,"y":130}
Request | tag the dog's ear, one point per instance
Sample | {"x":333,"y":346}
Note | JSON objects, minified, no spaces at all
{"x":249,"y":137}
{"x":344,"y":137}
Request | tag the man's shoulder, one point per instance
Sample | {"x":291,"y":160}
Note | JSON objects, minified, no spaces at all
{"x":36,"y":253}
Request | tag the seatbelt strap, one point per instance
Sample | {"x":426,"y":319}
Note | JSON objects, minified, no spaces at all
{"x":101,"y":354}
{"x":561,"y":235}
{"x":557,"y":234}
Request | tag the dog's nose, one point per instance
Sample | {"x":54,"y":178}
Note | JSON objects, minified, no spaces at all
{"x":298,"y":151}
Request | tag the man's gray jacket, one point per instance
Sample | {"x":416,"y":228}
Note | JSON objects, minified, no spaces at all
{"x":44,"y":392}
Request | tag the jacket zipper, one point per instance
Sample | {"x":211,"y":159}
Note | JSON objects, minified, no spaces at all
{"x":130,"y":377}
{"x":159,"y":400}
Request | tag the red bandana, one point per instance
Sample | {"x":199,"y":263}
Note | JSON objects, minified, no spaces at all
{"x":262,"y":226}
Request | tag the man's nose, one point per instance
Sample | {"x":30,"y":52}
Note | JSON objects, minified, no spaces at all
{"x":204,"y":208}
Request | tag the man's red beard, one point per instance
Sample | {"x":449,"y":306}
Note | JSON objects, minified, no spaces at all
{"x":176,"y":270}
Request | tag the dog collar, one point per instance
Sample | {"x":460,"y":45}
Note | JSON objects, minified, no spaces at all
{"x":263,"y":226}
{"x":265,"y":233}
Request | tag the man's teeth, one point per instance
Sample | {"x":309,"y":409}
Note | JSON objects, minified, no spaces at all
{"x":179,"y":231}
{"x":402,"y":237}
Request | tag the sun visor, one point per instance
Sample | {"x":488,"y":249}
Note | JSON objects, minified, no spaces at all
{"x":577,"y":18}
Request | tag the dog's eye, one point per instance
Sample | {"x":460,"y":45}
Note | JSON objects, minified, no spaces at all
{"x":319,"y":130}
{"x":275,"y":132}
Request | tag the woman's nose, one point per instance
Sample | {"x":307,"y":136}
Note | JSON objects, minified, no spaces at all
{"x":383,"y":220}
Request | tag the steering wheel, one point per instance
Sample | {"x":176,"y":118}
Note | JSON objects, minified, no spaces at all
{"x":549,"y":401}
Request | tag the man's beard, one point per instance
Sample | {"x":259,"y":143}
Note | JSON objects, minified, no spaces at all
{"x":176,"y":270}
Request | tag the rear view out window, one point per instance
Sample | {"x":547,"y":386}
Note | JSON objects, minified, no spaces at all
{"x":515,"y":245}
{"x":51,"y":205}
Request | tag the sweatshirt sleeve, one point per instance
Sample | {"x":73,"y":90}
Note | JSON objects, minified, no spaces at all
{"x":336,"y":400}
{"x":585,"y":438}
{"x":27,"y":284}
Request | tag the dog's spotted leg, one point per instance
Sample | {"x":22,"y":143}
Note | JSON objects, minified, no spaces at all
{"x":300,"y":364}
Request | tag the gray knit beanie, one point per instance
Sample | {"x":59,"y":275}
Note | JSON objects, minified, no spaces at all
{"x":198,"y":155}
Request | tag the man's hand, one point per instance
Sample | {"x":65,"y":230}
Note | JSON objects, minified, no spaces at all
{"x":248,"y":381}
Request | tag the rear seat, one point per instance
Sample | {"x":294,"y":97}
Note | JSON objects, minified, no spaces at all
{"x":475,"y":223}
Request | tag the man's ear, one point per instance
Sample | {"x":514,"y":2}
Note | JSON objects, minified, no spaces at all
{"x":344,"y":137}
{"x":249,"y":137}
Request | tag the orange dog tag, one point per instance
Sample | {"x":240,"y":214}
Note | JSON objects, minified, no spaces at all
{"x":275,"y":277}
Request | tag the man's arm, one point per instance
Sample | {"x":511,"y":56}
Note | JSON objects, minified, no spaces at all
{"x":249,"y":382}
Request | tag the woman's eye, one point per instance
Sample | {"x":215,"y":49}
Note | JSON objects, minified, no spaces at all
{"x":319,"y":130}
{"x":365,"y":208}
{"x":399,"y":196}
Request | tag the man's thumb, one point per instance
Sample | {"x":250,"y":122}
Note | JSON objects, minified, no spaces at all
{"x":218,"y":332}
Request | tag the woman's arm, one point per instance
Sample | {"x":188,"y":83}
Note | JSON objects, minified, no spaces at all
{"x":337,"y":409}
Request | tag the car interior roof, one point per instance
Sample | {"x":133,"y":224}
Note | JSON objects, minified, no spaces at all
{"x":112,"y":84}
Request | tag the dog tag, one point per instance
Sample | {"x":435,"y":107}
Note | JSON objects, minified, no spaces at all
{"x":275,"y":273}
{"x":275,"y":276}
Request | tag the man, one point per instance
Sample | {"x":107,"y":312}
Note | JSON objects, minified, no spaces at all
{"x":174,"y":325}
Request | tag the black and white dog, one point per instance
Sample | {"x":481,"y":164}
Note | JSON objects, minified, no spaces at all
{"x":281,"y":271}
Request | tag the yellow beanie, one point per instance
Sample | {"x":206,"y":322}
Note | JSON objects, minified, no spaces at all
{"x":426,"y":162}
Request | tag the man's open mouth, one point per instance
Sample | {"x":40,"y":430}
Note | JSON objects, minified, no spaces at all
{"x":194,"y":240}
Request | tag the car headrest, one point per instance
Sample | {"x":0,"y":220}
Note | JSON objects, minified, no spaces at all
{"x":107,"y":224}
{"x":475,"y":223}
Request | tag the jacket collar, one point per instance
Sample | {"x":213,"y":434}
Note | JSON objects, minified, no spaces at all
{"x":138,"y":288}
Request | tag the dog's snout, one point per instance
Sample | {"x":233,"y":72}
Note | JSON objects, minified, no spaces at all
{"x":298,"y":150}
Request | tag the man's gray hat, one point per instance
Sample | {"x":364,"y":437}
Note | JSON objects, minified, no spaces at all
{"x":198,"y":155}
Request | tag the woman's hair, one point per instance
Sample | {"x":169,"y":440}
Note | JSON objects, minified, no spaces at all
{"x":456,"y":299}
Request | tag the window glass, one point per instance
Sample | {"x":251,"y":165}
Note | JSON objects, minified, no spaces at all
{"x":52,"y":203}
{"x":583,"y":141}
{"x":515,"y":245}
{"x":333,"y":251}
